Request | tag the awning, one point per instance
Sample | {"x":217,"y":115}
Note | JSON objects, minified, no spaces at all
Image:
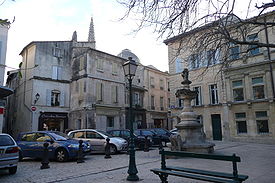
{"x":5,"y":91}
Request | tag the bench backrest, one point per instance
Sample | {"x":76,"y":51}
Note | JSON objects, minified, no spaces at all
{"x":232,"y":158}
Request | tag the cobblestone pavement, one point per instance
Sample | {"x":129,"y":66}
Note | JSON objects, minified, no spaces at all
{"x":257,"y":162}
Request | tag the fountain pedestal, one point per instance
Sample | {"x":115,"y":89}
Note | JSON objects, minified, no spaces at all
{"x":191,"y":136}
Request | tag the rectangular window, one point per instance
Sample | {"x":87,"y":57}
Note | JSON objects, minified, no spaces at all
{"x":194,"y":61}
{"x":161,"y":103}
{"x":258,"y":88}
{"x":152,"y":82}
{"x":241,"y":122}
{"x":234,"y":51}
{"x":213,"y":94}
{"x":114,"y":94}
{"x":99,"y":91}
{"x":85,"y":86}
{"x":110,"y":122}
{"x":161,"y":84}
{"x":253,"y":49}
{"x":99,"y":65}
{"x":179,"y":65}
{"x":238,"y":94}
{"x":152,"y":102}
{"x":198,"y":101}
{"x":213,"y":57}
{"x":180,"y":101}
{"x":81,"y":63}
{"x":136,"y":99}
{"x":169,"y":103}
{"x":262,"y":122}
{"x":56,"y":72}
{"x":114,"y":68}
{"x":55,"y":98}
{"x":57,"y":52}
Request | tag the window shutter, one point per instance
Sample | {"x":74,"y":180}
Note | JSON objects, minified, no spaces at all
{"x":98,"y":91}
{"x":59,"y":73}
{"x":48,"y":97}
{"x":217,"y":56}
{"x":113,"y":94}
{"x":62,"y":99}
{"x":101,"y":91}
{"x":54,"y":72}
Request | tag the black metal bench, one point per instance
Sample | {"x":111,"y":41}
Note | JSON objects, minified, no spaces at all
{"x":210,"y":176}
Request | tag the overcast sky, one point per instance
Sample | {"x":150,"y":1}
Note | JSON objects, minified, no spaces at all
{"x":56,"y":20}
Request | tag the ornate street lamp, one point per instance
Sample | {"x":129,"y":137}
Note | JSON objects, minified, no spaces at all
{"x":130,"y":68}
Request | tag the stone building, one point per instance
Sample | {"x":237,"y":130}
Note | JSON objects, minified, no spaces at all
{"x":138,"y":93}
{"x":4,"y":91}
{"x":67,"y":84}
{"x":157,"y":97}
{"x":150,"y":95}
{"x":236,"y":103}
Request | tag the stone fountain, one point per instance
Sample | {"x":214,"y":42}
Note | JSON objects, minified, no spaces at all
{"x":191,"y":136}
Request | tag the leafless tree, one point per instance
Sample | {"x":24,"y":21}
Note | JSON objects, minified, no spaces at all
{"x":213,"y":24}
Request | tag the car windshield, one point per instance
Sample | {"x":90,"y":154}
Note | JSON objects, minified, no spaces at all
{"x":105,"y":133}
{"x":59,"y":136}
{"x":6,"y":140}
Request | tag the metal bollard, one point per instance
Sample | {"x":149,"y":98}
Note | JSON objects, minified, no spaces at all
{"x":45,"y":160}
{"x":80,"y":152}
{"x":146,"y":145}
{"x":160,"y":144}
{"x":107,"y":149}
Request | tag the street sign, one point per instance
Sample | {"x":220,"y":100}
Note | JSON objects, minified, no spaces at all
{"x":33,"y":108}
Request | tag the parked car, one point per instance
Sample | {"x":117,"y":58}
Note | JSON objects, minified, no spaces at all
{"x":125,"y":134}
{"x":97,"y":139}
{"x":61,"y":147}
{"x":9,"y":153}
{"x":149,"y":133}
{"x":162,"y":133}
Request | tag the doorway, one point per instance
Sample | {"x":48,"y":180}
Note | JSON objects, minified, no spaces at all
{"x":216,"y":126}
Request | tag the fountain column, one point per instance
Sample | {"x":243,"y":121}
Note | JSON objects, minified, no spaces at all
{"x":192,"y":137}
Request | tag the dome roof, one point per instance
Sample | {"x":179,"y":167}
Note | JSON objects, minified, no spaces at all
{"x":126,"y":53}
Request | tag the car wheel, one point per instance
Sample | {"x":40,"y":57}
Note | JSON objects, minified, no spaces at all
{"x":20,"y":156}
{"x":113,"y":149}
{"x":61,"y":155}
{"x":13,"y":170}
{"x":141,"y":145}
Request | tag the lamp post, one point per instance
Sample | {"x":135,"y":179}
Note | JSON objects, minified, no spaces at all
{"x":130,"y":68}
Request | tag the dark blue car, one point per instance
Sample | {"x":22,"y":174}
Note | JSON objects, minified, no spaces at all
{"x":61,"y":147}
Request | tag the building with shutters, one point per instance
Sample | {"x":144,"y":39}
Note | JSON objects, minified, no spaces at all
{"x":150,"y":95}
{"x":235,"y":102}
{"x":66,"y":85}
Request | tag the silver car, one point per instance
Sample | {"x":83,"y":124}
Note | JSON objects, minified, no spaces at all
{"x":9,"y":153}
{"x":97,"y":139}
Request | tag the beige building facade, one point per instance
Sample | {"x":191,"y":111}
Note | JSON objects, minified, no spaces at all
{"x":236,"y":103}
{"x":156,"y":98}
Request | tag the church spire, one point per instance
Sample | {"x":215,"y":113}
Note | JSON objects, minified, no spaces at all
{"x":91,"y":37}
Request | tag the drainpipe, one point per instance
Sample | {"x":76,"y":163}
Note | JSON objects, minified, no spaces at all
{"x":269,"y":58}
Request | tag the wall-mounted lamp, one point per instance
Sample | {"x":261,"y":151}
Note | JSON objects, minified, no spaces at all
{"x":37,"y":96}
